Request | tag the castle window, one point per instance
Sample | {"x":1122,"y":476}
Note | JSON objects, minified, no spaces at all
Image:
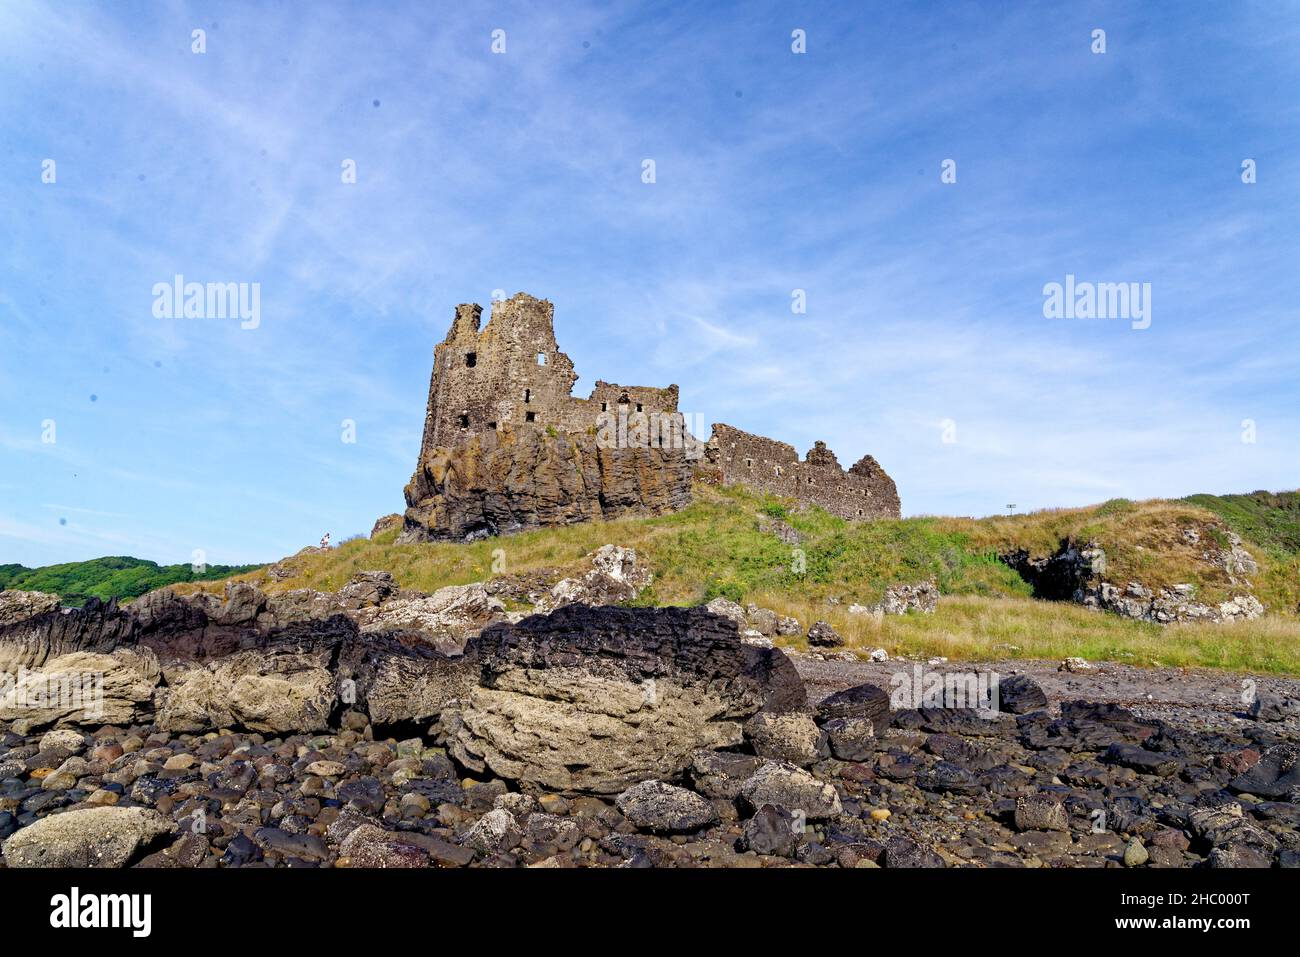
{"x":541,"y":358}
{"x":859,"y":511}
{"x":492,"y":426}
{"x":604,"y":407}
{"x":464,"y":420}
{"x":638,"y":406}
{"x":530,"y":416}
{"x":749,"y":463}
{"x":778,"y":471}
{"x":471,"y":359}
{"x":810,"y":481}
{"x":528,"y":395}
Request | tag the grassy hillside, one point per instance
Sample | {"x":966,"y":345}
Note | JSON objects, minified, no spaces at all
{"x":721,"y":546}
{"x":105,"y":578}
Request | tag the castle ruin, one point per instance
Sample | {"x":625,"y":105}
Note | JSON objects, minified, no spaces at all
{"x":865,"y":491}
{"x":507,"y":446}
{"x":512,"y":373}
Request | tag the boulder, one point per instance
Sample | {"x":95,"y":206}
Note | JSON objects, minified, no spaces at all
{"x":861,"y":701}
{"x":772,"y":830}
{"x":665,"y":809}
{"x":367,"y":589}
{"x":1041,"y":812}
{"x":495,"y":831}
{"x":370,"y":846}
{"x":598,"y":699}
{"x":1273,"y":707}
{"x":386,"y":523}
{"x":719,"y":774}
{"x":851,"y":739}
{"x":792,"y":737}
{"x":790,"y":787}
{"x":279,"y":689}
{"x":822,"y":635}
{"x":1274,"y":775}
{"x":84,"y":688}
{"x":1020,"y":694}
{"x":91,"y":837}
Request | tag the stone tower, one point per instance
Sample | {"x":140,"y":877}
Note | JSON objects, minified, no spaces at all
{"x":512,"y":373}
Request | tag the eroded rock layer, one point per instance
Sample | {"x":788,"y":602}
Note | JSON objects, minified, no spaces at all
{"x":507,"y":480}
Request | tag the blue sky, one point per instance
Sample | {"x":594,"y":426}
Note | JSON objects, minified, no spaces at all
{"x":775,"y":171}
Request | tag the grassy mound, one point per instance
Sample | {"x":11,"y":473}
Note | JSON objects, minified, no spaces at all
{"x":725,"y":545}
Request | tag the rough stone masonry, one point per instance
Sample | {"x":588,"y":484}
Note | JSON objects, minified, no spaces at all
{"x":507,"y":446}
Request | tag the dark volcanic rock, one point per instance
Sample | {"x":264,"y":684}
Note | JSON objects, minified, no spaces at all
{"x":510,"y":479}
{"x":773,"y":830}
{"x":862,"y":701}
{"x":1020,"y":694}
{"x":823,"y":635}
{"x":598,"y":699}
{"x":1275,"y":775}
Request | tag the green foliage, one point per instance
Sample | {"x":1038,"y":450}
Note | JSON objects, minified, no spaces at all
{"x":719,"y":588}
{"x":1270,"y":520}
{"x":1115,"y":506}
{"x":110,"y":577}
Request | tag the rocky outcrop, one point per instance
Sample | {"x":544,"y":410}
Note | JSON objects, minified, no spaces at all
{"x":598,"y":699}
{"x":615,"y":577}
{"x":922,"y":597}
{"x":1167,"y":605}
{"x":278,"y":664}
{"x":20,"y":605}
{"x":755,"y":622}
{"x":386,"y":523}
{"x":506,"y":480}
{"x":1095,"y":785}
{"x":1077,"y":572}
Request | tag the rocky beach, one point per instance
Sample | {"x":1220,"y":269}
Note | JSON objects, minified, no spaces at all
{"x":378,"y":728}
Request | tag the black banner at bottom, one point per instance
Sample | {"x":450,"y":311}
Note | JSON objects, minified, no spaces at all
{"x":342,"y":906}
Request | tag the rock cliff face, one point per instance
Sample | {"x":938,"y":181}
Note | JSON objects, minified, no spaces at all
{"x":507,"y":480}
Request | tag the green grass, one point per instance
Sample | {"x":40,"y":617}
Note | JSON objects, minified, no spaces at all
{"x":109,"y":577}
{"x":718,"y":546}
{"x":1270,"y":520}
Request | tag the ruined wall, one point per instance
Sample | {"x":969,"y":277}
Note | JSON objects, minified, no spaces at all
{"x":506,"y":446}
{"x":512,"y":372}
{"x":865,"y":491}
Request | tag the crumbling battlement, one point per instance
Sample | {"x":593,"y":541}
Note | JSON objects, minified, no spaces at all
{"x":865,"y":491}
{"x":512,"y":372}
{"x":507,"y":446}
